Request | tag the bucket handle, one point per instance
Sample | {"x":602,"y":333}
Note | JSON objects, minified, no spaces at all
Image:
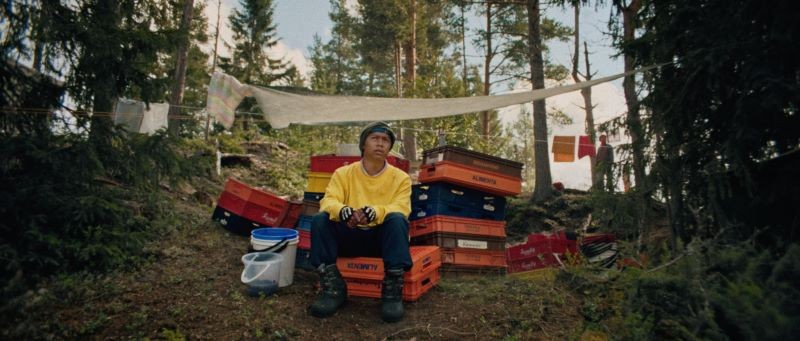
{"x":254,"y":277}
{"x":277,"y":248}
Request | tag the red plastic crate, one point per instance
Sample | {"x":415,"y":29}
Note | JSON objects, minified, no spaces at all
{"x":474,"y":257}
{"x":263,"y":215}
{"x":412,"y":290}
{"x":238,"y":188}
{"x":539,"y":261}
{"x":232,"y":203}
{"x":292,"y":215}
{"x":473,"y":159}
{"x":470,"y":177}
{"x":422,"y":257}
{"x":330,"y":162}
{"x":530,"y":249}
{"x":442,"y":223}
{"x":305,"y":240}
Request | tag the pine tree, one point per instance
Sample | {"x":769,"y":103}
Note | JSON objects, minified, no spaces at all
{"x":254,"y":33}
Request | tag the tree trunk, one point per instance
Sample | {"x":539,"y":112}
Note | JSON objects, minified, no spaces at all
{"x":411,"y":48}
{"x":487,"y":69}
{"x":589,"y":107}
{"x":585,"y":92}
{"x":176,"y":99}
{"x":633,"y":120}
{"x":464,"y":49}
{"x":104,"y":87}
{"x":214,"y":63}
{"x":397,"y":74}
{"x":542,"y":186}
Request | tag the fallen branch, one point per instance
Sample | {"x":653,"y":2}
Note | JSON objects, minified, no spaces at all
{"x":428,"y":329}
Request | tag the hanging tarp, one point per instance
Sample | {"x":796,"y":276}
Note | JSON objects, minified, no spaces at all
{"x":281,"y":109}
{"x":139,"y":117}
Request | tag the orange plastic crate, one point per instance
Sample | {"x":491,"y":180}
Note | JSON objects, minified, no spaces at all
{"x":443,"y":223}
{"x":474,"y":257}
{"x":412,"y":290}
{"x":461,"y":241}
{"x":422,"y":257}
{"x":470,"y":177}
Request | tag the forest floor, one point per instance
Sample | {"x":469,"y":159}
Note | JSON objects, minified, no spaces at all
{"x":191,"y":289}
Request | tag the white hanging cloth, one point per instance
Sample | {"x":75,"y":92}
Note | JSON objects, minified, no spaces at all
{"x":281,"y":109}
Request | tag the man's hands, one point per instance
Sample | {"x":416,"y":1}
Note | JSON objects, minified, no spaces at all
{"x":353,"y":218}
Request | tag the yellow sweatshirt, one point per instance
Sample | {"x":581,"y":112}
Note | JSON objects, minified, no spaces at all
{"x":387,"y":192}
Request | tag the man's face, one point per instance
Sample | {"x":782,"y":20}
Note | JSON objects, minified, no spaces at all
{"x":377,"y":145}
{"x":603,"y":139}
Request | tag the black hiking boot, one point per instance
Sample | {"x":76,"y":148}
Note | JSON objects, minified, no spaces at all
{"x":392,"y":296}
{"x":333,"y":291}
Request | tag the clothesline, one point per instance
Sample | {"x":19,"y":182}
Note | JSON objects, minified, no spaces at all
{"x":44,"y":111}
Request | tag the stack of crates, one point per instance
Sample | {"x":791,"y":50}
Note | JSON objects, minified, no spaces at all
{"x":460,"y":206}
{"x":242,"y":208}
{"x":320,"y":172}
{"x":364,"y":275}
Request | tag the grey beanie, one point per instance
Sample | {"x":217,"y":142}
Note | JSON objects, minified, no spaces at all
{"x":375,"y":127}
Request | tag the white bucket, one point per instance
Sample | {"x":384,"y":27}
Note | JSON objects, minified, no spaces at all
{"x":282,"y":241}
{"x":262,"y":271}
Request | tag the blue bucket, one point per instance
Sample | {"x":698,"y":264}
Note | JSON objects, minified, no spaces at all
{"x":274,"y":234}
{"x":279,"y":240}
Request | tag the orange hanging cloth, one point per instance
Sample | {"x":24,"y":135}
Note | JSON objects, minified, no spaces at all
{"x":563,"y":148}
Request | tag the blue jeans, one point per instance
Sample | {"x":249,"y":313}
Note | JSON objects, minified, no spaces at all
{"x":330,"y":239}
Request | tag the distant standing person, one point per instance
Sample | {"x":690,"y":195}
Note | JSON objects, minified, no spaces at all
{"x":604,"y":161}
{"x":364,"y":213}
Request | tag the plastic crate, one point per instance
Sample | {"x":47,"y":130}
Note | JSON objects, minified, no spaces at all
{"x":292,"y":215}
{"x":310,"y":207}
{"x":423,"y":258}
{"x":330,"y":162}
{"x":302,"y":260}
{"x":422,"y":210}
{"x":466,"y":226}
{"x":460,"y":241}
{"x":412,"y":290}
{"x":231,"y":203}
{"x":263,"y":215}
{"x":318,"y":182}
{"x":481,"y":180}
{"x":471,"y":270}
{"x":238,"y":188}
{"x":469,"y":257}
{"x":539,"y":261}
{"x":473,"y":159}
{"x":304,"y":223}
{"x":305,"y":240}
{"x":233,"y":222}
{"x":313,"y":196}
{"x":462,"y":196}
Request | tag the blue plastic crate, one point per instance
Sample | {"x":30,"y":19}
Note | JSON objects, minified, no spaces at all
{"x":303,"y":260}
{"x":432,"y":208}
{"x":233,"y":222}
{"x":479,"y":204}
{"x":313,"y":196}
{"x":304,"y":223}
